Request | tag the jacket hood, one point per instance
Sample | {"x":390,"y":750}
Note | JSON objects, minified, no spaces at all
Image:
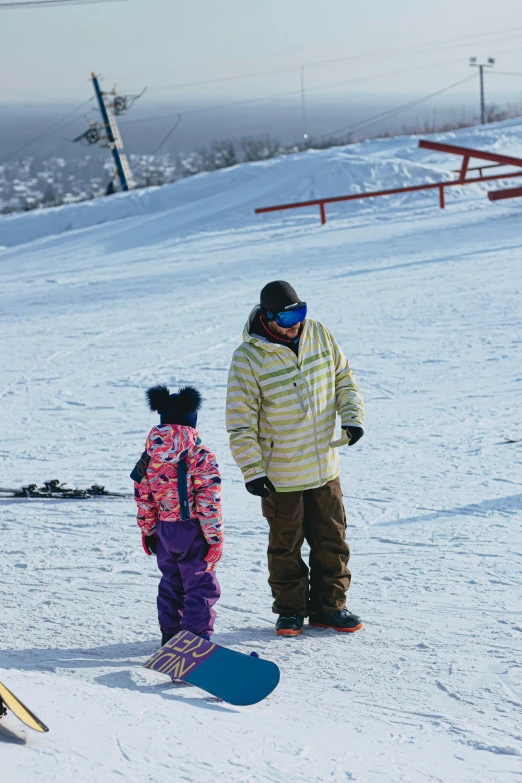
{"x":171,"y":442}
{"x":259,"y":339}
{"x":246,"y":331}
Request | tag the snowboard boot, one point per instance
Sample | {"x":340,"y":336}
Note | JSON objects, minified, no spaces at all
{"x":166,"y":637}
{"x":340,"y":621}
{"x":3,"y":710}
{"x":289,"y":625}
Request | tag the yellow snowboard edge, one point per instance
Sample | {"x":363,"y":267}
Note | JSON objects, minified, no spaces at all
{"x":22,"y":712}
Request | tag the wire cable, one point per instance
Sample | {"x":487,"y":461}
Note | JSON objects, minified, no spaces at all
{"x":64,"y":143}
{"x":51,"y":127}
{"x":169,"y":134}
{"x":443,"y":43}
{"x":245,"y":101}
{"x":391,"y":112}
{"x":35,"y":3}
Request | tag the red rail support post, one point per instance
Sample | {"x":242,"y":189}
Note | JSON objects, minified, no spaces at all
{"x":464,"y":167}
{"x":322,"y":210}
{"x":441,"y":197}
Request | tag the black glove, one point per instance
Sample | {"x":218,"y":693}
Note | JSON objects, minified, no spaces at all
{"x":149,"y":544}
{"x":260,"y":486}
{"x":354,"y":433}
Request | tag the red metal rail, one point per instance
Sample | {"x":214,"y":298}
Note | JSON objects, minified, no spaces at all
{"x":320,"y":202}
{"x":482,"y":167}
{"x":497,"y":195}
{"x":468,"y":152}
{"x":465,"y":152}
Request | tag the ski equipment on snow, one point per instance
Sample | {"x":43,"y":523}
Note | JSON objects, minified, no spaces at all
{"x":22,"y":712}
{"x":54,"y":489}
{"x":229,"y":675}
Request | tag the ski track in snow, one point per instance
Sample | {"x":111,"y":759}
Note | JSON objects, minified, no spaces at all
{"x":426,"y":304}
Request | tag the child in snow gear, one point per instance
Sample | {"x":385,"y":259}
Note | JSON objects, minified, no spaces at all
{"x":288,"y":381}
{"x":177,"y":488}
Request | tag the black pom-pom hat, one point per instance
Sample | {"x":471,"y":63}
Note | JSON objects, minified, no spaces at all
{"x":178,"y":408}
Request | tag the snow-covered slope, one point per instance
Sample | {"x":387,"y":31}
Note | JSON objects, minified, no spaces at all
{"x":427,"y":306}
{"x":228,"y":198}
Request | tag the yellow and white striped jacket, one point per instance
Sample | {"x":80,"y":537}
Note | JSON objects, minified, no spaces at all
{"x":281,"y":408}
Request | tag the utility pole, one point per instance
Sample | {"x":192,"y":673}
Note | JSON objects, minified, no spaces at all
{"x":490,"y":62}
{"x":113,"y":137}
{"x":303,"y":105}
{"x":107,"y":133}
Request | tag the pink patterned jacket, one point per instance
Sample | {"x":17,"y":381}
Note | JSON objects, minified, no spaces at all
{"x":179,"y":479}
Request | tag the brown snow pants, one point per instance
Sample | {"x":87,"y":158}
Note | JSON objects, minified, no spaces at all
{"x":318,"y":516}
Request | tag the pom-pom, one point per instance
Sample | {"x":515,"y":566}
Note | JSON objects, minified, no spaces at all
{"x":189,"y":400}
{"x":158,"y":398}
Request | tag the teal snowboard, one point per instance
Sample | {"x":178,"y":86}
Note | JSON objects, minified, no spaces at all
{"x":232,"y":676}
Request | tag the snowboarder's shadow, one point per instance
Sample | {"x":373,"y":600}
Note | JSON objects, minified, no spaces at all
{"x":110,"y":656}
{"x":119,"y":656}
{"x":124,"y":680}
{"x":126,"y":658}
{"x":8,"y":736}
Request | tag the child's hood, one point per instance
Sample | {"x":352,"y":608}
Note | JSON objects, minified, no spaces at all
{"x":171,"y":442}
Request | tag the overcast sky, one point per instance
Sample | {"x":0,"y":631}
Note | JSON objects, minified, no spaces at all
{"x":395,"y":46}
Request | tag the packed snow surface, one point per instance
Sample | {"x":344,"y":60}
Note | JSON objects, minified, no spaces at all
{"x":100,"y":301}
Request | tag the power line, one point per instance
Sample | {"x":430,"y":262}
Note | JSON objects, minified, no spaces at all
{"x":446,"y":43}
{"x":241,"y":102}
{"x":316,"y":88}
{"x":288,"y":93}
{"x":169,"y":134}
{"x":391,"y":112}
{"x":51,"y":127}
{"x":64,"y":143}
{"x":507,"y":73}
{"x":36,"y":3}
{"x":373,"y":119}
{"x":368,"y":121}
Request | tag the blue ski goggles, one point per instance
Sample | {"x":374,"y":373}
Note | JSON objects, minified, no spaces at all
{"x":290,"y":316}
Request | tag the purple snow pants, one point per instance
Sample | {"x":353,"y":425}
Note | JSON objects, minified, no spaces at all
{"x":187,"y":591}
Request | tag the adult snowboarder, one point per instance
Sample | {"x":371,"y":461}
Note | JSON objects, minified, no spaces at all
{"x":287,"y":381}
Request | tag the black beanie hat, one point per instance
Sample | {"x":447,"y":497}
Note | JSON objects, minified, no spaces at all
{"x":181,"y":408}
{"x":277,"y":295}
